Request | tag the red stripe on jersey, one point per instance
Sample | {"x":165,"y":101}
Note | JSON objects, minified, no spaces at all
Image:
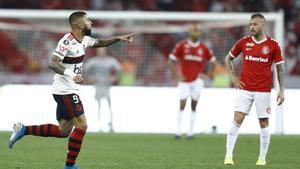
{"x":73,"y":60}
{"x":70,"y":37}
{"x":75,"y":37}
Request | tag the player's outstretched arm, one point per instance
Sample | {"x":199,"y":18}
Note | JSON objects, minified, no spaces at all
{"x":56,"y":66}
{"x":109,"y":41}
{"x":280,"y":76}
{"x":234,"y":78}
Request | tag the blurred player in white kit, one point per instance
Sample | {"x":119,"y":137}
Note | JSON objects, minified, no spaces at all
{"x":103,"y":71}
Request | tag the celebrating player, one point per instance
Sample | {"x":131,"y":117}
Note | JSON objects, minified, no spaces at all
{"x":192,"y":56}
{"x":67,"y":63}
{"x":254,"y":84}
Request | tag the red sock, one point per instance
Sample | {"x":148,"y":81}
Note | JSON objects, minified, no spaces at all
{"x":45,"y":130}
{"x":74,"y":145}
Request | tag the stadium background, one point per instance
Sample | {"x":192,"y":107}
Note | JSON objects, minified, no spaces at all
{"x":25,"y":55}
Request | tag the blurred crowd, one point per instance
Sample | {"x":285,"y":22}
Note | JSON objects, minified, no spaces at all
{"x":291,"y":10}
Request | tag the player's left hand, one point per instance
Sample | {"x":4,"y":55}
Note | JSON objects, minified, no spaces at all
{"x":203,"y":76}
{"x":127,"y":37}
{"x":280,"y":97}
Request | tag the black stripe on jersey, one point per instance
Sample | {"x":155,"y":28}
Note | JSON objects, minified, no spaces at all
{"x":73,"y":60}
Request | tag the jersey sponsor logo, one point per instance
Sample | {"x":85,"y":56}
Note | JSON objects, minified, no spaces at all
{"x":78,"y":69}
{"x":265,"y":50}
{"x":193,"y":58}
{"x":249,"y":44}
{"x":62,"y":48}
{"x":256,"y":59}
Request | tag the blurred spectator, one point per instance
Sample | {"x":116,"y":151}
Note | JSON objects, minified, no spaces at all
{"x":127,"y":77}
{"x":220,"y":76}
{"x":97,"y":4}
{"x":165,"y":5}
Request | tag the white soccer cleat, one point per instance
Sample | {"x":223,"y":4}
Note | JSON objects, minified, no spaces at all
{"x":17,"y":134}
{"x":228,"y":161}
{"x":261,"y":162}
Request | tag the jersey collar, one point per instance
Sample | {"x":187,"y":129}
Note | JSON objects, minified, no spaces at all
{"x":75,"y":37}
{"x":259,"y":42}
{"x":193,"y":44}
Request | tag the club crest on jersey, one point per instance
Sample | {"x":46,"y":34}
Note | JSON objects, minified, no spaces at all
{"x":265,"y":50}
{"x":66,"y":42}
{"x":200,"y":51}
{"x":268,"y":110}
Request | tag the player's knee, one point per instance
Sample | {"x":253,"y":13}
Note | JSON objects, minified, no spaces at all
{"x":182,"y":106}
{"x":239,"y":117}
{"x":82,"y":126}
{"x":263,"y":123}
{"x":65,"y":132}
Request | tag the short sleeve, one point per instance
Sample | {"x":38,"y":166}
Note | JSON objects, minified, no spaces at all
{"x":62,"y":48}
{"x":278,"y":58}
{"x":237,"y":48}
{"x":176,"y":52}
{"x":115,"y":64}
{"x":89,"y":41}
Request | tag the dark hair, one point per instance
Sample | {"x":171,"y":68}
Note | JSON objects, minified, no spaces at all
{"x":257,"y":15}
{"x":76,"y":15}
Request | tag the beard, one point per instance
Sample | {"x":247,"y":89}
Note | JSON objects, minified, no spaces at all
{"x":87,"y":31}
{"x":254,"y":33}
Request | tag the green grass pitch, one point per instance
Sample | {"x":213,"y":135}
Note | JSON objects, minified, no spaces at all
{"x":148,"y":151}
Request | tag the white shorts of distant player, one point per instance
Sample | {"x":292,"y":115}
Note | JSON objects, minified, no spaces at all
{"x":262,"y":100}
{"x":190,"y":89}
{"x":102,"y":92}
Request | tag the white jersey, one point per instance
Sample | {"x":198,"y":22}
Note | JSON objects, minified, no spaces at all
{"x":72,"y":52}
{"x":101,"y":69}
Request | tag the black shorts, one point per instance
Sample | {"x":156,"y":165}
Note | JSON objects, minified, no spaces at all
{"x":68,"y":106}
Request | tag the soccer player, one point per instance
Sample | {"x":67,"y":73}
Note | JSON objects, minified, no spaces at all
{"x":103,"y":71}
{"x":254,"y":84}
{"x":192,"y":56}
{"x":67,"y":63}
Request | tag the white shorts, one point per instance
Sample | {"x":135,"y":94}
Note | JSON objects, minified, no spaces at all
{"x":190,"y":89}
{"x":245,"y":99}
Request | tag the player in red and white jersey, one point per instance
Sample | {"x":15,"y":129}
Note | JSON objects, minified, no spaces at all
{"x":67,"y":63}
{"x":192,"y":56}
{"x":259,"y":52}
